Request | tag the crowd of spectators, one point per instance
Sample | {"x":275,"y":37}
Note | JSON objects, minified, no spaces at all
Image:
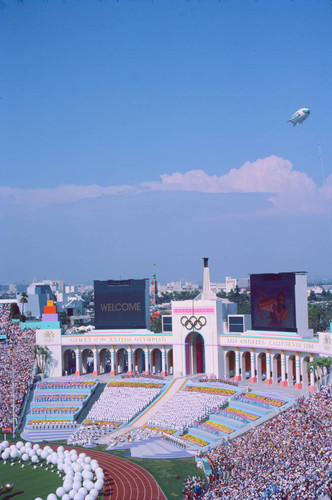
{"x":287,"y":458}
{"x":16,"y":367}
{"x":184,"y":409}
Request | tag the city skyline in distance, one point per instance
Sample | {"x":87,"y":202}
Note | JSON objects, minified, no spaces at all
{"x":142,"y":133}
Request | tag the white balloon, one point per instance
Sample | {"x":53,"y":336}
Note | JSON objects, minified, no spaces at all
{"x":13,"y":454}
{"x":60,"y":491}
{"x":76,"y":485}
{"x":72,"y":493}
{"x":60,"y":449}
{"x":67,"y":485}
{"x":28,"y":444}
{"x":88,"y":484}
{"x":51,"y":496}
{"x":65,"y":497}
{"x":88,"y":475}
{"x":25,"y":457}
{"x":38,"y":498}
{"x":78,"y":496}
{"x":99,"y":484}
{"x":36,"y":446}
{"x":34,"y":459}
{"x":31,"y":452}
{"x":83,"y":491}
{"x":87,"y":460}
{"x":94,"y":492}
{"x":19,"y":445}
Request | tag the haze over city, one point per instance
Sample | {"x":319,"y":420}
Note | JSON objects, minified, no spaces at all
{"x":142,"y":133}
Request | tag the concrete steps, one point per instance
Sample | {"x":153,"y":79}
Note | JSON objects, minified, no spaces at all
{"x":158,"y":448}
{"x":39,"y":435}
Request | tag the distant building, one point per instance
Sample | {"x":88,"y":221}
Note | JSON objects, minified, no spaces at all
{"x":241,"y":283}
{"x":177,"y":286}
{"x":38,"y":295}
{"x":70,"y":303}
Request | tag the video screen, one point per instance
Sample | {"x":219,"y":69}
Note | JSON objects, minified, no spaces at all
{"x":273,"y":302}
{"x":120,"y":304}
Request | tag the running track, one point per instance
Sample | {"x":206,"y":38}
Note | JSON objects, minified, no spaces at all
{"x":123,"y":479}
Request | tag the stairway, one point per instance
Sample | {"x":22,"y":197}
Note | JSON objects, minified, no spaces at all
{"x":84,"y":413}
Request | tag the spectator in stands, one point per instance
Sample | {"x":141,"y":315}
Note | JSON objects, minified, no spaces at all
{"x":16,"y":369}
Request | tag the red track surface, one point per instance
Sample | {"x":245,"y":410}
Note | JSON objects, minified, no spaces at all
{"x":123,"y":479}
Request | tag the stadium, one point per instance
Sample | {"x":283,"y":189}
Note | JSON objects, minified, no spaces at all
{"x":235,"y":393}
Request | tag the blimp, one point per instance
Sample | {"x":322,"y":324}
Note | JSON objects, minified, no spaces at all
{"x":299,"y":116}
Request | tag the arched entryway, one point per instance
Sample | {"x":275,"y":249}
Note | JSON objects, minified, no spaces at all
{"x":69,"y":361}
{"x":305,"y":373}
{"x":194,"y":346}
{"x":156,"y":360}
{"x":87,"y":361}
{"x":230,"y":364}
{"x":105,"y":361}
{"x":245,"y":365}
{"x":261,"y":367}
{"x":170,"y":361}
{"x":291,"y":370}
{"x":139,"y":361}
{"x":276,"y":368}
{"x":122,"y":360}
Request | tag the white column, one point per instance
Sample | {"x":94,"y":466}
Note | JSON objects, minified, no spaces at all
{"x":312,"y":386}
{"x":163,"y":361}
{"x":146,"y":355}
{"x":283,"y":382}
{"x":95,"y":361}
{"x":298,"y":384}
{"x":253,"y":378}
{"x":112,"y":361}
{"x":78,"y":361}
{"x":237,"y":377}
{"x":130,"y":361}
{"x":268,"y":379}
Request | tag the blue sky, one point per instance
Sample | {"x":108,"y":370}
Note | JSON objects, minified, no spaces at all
{"x":149,"y":132}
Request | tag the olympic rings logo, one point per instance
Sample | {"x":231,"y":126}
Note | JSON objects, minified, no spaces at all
{"x":193,"y":323}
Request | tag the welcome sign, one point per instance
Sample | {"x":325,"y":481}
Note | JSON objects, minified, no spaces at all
{"x":121,"y":304}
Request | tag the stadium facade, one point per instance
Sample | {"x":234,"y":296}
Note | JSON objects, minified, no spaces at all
{"x":204,"y":335}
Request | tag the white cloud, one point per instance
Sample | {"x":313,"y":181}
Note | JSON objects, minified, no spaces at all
{"x":288,"y":190}
{"x":39,"y":197}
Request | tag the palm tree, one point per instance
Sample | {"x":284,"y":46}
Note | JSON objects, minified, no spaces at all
{"x":23,"y":300}
{"x":320,"y":362}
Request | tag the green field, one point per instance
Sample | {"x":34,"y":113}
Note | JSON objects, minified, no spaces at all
{"x":29,"y":483}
